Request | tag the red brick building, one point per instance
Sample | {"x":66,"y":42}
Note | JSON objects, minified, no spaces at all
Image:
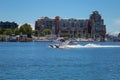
{"x":92,"y":28}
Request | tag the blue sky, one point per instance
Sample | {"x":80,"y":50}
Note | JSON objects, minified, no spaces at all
{"x":28,"y":11}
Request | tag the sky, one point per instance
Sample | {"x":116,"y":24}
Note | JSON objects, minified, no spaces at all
{"x":28,"y":11}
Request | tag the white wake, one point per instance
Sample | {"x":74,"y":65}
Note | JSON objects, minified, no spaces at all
{"x":92,"y":46}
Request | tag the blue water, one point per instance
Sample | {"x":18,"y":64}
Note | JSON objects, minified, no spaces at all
{"x":36,"y":61}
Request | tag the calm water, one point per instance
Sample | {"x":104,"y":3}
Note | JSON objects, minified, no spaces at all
{"x":36,"y":61}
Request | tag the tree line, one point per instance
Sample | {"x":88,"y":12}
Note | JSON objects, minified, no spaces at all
{"x":8,"y":28}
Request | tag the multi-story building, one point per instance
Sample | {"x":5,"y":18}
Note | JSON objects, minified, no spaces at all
{"x":86,"y":28}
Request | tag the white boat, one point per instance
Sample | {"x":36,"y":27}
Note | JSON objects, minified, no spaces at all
{"x":71,"y":44}
{"x":63,"y":44}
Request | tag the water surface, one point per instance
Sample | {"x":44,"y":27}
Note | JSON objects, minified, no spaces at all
{"x":36,"y":61}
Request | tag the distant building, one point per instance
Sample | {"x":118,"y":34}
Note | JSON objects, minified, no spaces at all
{"x":119,"y":35}
{"x":86,"y":28}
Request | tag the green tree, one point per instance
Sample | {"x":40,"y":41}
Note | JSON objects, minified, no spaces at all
{"x":26,"y":29}
{"x":16,"y":31}
{"x":87,"y":35}
{"x":66,"y":35}
{"x":3,"y":37}
{"x":97,"y":35}
{"x":1,"y":31}
{"x":46,"y":31}
{"x":8,"y":32}
{"x":42,"y":34}
{"x":7,"y":24}
{"x":78,"y":35}
{"x":34,"y":32}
